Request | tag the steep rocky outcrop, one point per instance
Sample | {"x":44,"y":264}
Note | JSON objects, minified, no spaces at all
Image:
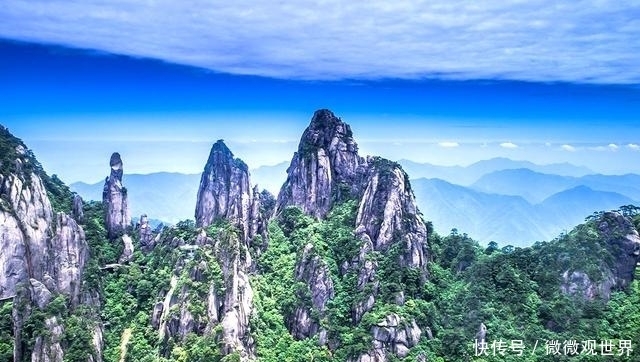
{"x":232,"y":217}
{"x":387,"y":213}
{"x":622,"y":243}
{"x":145,"y":233}
{"x":77,"y":211}
{"x":392,"y":335}
{"x":324,"y":169}
{"x":314,"y":272}
{"x":43,"y":253}
{"x":327,"y":170}
{"x":226,"y":296}
{"x":25,"y":230}
{"x":225,"y":193}
{"x":114,"y":198}
{"x":68,"y":255}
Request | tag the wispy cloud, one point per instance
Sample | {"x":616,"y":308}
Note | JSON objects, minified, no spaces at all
{"x":448,"y":144}
{"x":508,"y":145}
{"x":540,"y":41}
{"x":610,"y":147}
{"x":633,"y":146}
{"x":568,"y":148}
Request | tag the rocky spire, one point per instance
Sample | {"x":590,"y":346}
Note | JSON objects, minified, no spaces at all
{"x":225,"y":193}
{"x":325,"y":167}
{"x":114,"y":198}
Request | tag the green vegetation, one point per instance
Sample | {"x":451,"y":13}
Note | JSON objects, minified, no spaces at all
{"x":6,"y":331}
{"x":514,"y":292}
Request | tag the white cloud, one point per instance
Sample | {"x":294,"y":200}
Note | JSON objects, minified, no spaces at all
{"x":448,"y":144}
{"x":613,"y":146}
{"x":633,"y":146}
{"x":508,"y":145}
{"x":538,"y":41}
{"x":568,"y":148}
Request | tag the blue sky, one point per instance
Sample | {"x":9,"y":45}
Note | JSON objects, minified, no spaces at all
{"x":439,"y":83}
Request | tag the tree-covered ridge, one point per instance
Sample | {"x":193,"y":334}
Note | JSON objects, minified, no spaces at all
{"x":515,"y":292}
{"x":317,"y":289}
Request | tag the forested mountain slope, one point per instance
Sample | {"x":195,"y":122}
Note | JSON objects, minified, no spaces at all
{"x":340,"y":266}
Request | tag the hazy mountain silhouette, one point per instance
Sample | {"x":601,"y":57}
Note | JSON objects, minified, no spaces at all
{"x":467,"y":175}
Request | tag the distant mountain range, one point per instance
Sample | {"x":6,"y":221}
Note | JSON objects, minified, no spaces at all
{"x":536,"y":187}
{"x":466,"y":176}
{"x":510,"y":202}
{"x":508,"y":219}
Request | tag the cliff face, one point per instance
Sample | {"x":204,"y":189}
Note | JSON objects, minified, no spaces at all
{"x":324,"y":169}
{"x":225,"y":193}
{"x":387,"y":213}
{"x":43,"y":254}
{"x":114,"y":198}
{"x":314,"y":272}
{"x":218,"y":284}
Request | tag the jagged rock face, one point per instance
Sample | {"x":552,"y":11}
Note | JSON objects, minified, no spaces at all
{"x":77,"y":211}
{"x":27,"y":215}
{"x":13,"y":264}
{"x":228,"y":305}
{"x":621,"y":236}
{"x":225,"y":193}
{"x":261,"y":210}
{"x":315,"y":274}
{"x":324,"y":168}
{"x":388,"y":213}
{"x":327,"y":169}
{"x":623,"y":242}
{"x":69,"y":253}
{"x":393,"y":335}
{"x":146,"y":234}
{"x":237,"y":302}
{"x":47,"y":348}
{"x":114,"y":197}
{"x":42,"y":255}
{"x":127,"y":252}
